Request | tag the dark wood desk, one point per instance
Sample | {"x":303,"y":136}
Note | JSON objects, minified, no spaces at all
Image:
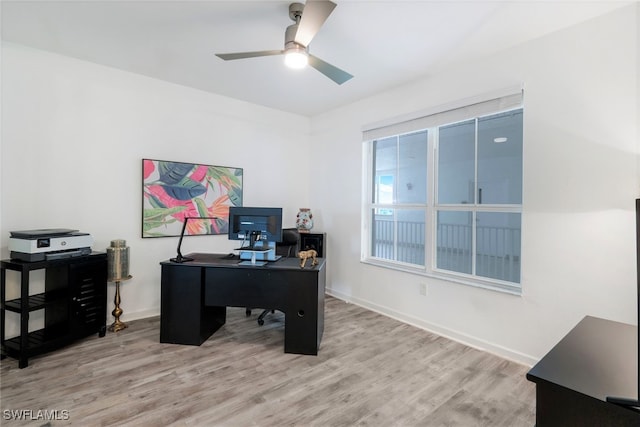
{"x":597,"y":358}
{"x":195,"y":295}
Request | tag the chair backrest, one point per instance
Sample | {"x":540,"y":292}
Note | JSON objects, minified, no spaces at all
{"x":290,"y":243}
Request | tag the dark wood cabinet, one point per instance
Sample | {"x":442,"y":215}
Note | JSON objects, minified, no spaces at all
{"x":314,"y":241}
{"x":74,"y":303}
{"x":594,"y":360}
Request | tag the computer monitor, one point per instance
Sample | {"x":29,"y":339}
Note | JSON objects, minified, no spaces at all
{"x":251,"y":224}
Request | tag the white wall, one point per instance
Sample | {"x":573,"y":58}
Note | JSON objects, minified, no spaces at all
{"x":581,"y":177}
{"x":73,"y":138}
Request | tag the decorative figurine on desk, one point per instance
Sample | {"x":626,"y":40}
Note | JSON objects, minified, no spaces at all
{"x":305,"y":255}
{"x":118,"y":270}
{"x":304,"y":220}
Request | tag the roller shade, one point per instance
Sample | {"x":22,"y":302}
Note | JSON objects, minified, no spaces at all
{"x":444,"y":114}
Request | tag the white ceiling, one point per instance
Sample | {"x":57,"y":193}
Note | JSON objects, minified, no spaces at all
{"x":382,"y":43}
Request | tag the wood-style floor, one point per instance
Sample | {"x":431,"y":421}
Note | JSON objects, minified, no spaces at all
{"x":371,"y":371}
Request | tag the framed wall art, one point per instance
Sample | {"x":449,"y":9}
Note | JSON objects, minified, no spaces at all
{"x":172,"y":191}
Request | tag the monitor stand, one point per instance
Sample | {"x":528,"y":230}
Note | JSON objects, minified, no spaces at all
{"x":259,"y":254}
{"x":252,"y":261}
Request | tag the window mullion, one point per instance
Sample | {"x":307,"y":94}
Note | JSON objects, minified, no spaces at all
{"x":432,"y":190}
{"x":474,"y":241}
{"x":395,"y":200}
{"x":477,"y":200}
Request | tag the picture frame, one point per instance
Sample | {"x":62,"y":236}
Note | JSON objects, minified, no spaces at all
{"x":174,"y":190}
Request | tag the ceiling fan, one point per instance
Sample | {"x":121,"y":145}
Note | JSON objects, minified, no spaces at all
{"x":297,"y":38}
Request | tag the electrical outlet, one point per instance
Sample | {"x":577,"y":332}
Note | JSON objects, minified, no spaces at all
{"x":423,"y":289}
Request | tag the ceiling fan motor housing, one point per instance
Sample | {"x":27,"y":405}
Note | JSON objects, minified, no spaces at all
{"x":289,"y":37}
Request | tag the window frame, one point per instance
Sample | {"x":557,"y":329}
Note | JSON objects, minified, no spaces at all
{"x":431,"y":208}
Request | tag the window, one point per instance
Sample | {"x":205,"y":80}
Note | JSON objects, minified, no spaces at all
{"x":445,"y":197}
{"x":399,"y":200}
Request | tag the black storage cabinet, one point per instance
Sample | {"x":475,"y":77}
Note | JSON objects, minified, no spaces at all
{"x":316,"y":241}
{"x":74,"y":303}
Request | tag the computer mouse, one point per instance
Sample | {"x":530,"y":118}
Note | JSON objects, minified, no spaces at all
{"x":230,"y":256}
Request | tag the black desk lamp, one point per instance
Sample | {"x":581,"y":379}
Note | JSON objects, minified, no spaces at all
{"x":179,"y":257}
{"x":629,"y":401}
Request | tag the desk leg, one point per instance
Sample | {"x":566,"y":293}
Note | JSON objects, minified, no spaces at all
{"x":304,"y":321}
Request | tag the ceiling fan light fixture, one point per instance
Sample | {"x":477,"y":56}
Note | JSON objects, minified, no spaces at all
{"x":296,"y":58}
{"x":297,"y":38}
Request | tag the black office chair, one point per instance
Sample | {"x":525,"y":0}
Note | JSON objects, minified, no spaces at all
{"x":290,"y":243}
{"x":287,"y":248}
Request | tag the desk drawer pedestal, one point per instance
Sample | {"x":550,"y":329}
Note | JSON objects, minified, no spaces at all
{"x":185,"y":318}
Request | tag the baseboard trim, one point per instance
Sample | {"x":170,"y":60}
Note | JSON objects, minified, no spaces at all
{"x":127,"y":316}
{"x":462,"y":338}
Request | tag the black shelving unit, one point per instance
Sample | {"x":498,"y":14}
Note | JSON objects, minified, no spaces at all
{"x":74,"y":303}
{"x":314,"y":241}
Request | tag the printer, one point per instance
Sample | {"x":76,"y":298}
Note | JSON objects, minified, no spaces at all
{"x":48,"y":244}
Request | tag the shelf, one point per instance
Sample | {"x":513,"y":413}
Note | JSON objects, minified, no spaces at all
{"x":19,"y":265}
{"x":315,"y":241}
{"x":39,"y":341}
{"x":36,"y":301}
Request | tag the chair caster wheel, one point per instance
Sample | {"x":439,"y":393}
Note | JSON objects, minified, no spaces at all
{"x":260,"y":322}
{"x":247,"y":312}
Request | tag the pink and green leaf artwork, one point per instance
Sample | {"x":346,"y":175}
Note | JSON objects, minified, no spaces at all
{"x":174,"y":190}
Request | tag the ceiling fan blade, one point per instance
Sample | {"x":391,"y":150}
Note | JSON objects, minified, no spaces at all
{"x":243,"y":55}
{"x":313,"y":16}
{"x":334,"y":73}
